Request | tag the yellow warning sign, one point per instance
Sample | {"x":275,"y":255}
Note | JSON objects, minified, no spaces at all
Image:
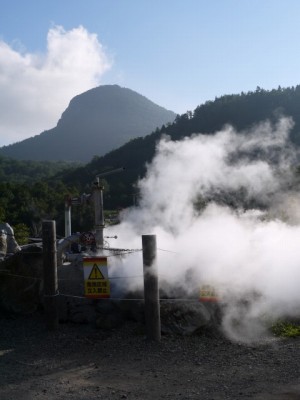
{"x":96,"y":273}
{"x":208,"y":294}
{"x":96,"y":282}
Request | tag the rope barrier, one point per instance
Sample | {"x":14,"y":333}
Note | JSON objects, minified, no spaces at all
{"x":125,"y":277}
{"x":22,"y":276}
{"x":52,"y":295}
{"x":122,"y":254}
{"x":168,"y":251}
{"x":172,"y":300}
{"x":104,"y":298}
{"x":3,"y":272}
{"x":109,"y":278}
{"x":69,"y":279}
{"x":23,"y":252}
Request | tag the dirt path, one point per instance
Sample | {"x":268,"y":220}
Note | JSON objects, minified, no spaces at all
{"x":80,"y":362}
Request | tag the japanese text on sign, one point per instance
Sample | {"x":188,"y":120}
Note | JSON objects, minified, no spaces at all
{"x":96,"y":282}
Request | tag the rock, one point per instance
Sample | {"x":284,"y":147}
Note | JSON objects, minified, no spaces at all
{"x":185,"y":318}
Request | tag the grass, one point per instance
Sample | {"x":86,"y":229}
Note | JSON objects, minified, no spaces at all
{"x":286,"y":329}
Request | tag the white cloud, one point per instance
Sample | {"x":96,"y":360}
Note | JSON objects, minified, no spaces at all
{"x":36,"y":88}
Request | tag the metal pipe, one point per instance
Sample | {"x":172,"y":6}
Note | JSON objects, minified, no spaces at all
{"x":99,"y":214}
{"x":67,"y":217}
{"x":110,"y":172}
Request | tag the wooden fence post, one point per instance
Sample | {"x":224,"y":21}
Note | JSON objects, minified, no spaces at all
{"x":50,"y":274}
{"x":151,"y":288}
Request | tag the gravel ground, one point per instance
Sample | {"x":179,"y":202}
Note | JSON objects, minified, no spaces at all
{"x":80,"y":362}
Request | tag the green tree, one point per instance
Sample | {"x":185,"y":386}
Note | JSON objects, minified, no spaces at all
{"x":22,"y":233}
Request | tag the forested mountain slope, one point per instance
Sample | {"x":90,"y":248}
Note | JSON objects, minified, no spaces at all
{"x":241,"y":110}
{"x":30,"y":192}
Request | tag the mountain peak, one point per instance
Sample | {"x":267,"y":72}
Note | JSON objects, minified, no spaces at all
{"x":95,"y":122}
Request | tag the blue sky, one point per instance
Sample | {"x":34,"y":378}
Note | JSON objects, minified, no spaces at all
{"x":178,"y":53}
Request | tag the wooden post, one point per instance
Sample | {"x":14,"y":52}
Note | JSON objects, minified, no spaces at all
{"x":50,"y":274}
{"x":151,"y":289}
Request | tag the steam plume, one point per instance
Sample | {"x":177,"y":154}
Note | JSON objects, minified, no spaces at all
{"x":226,"y":205}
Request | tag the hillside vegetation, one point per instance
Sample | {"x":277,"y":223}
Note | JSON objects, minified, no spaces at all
{"x":19,"y":171}
{"x":241,"y":111}
{"x":31,"y":202}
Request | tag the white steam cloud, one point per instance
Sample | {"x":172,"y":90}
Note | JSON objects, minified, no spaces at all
{"x":36,"y":88}
{"x":226,"y":205}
